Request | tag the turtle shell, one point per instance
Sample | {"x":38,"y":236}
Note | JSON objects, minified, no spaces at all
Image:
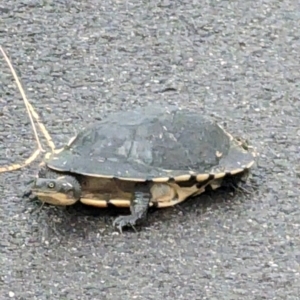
{"x":153,"y":143}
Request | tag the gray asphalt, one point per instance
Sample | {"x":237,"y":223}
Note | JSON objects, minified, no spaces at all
{"x":237,"y":61}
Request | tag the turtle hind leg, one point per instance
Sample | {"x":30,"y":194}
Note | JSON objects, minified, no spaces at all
{"x":138,"y":208}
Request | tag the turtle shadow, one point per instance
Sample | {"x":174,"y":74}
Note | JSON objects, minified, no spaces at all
{"x":58,"y":224}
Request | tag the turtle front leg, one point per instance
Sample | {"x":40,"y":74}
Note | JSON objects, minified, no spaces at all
{"x":138,"y":207}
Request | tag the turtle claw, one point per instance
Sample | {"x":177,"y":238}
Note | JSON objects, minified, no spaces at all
{"x":124,"y":221}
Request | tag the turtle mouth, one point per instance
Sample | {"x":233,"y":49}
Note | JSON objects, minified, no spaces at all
{"x":55,"y":198}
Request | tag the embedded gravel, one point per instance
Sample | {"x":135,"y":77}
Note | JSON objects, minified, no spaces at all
{"x":237,"y":61}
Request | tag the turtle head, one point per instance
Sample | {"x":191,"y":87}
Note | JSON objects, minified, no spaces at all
{"x":63,"y":190}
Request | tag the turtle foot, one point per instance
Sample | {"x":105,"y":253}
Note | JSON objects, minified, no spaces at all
{"x":125,"y":221}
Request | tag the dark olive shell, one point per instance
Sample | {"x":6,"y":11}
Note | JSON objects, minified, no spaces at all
{"x":153,"y":143}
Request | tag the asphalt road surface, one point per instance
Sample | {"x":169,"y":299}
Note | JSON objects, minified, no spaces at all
{"x":237,"y":61}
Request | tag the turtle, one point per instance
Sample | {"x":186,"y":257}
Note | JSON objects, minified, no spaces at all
{"x":150,"y":156}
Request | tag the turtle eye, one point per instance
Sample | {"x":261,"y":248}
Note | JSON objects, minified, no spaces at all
{"x":51,"y":185}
